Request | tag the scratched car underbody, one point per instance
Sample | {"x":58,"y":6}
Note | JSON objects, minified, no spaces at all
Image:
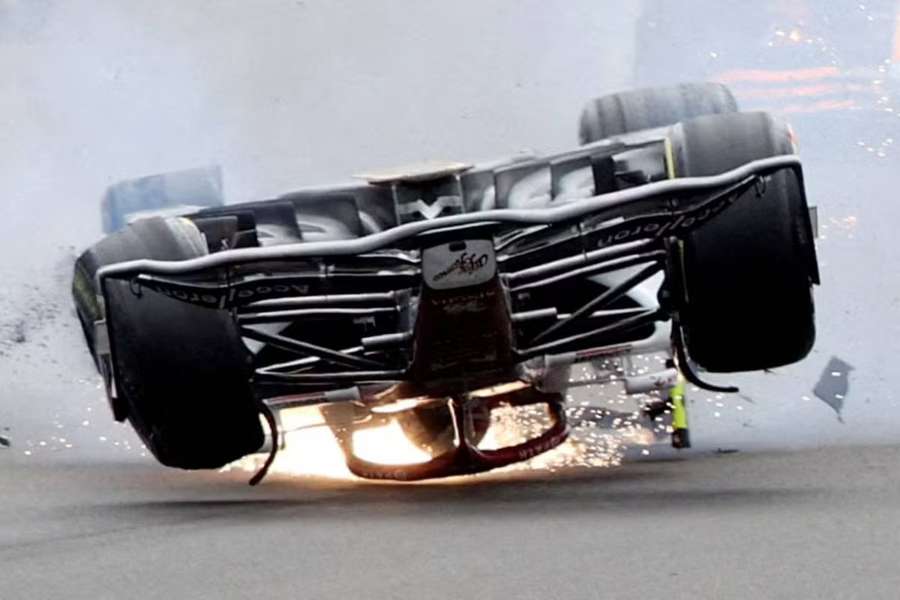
{"x":446,"y":290}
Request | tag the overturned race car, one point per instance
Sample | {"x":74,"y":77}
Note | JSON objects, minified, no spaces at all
{"x":434,"y":295}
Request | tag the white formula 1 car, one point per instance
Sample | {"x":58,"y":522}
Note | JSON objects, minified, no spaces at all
{"x":433,"y":295}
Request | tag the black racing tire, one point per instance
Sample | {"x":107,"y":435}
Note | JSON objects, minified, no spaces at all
{"x":182,"y":371}
{"x":648,"y":108}
{"x":748,"y":272}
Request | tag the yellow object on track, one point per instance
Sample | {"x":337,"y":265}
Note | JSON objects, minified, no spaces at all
{"x":679,"y":411}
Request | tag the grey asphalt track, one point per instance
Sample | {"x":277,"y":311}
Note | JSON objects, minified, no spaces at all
{"x":287,"y":93}
{"x":813,"y":524}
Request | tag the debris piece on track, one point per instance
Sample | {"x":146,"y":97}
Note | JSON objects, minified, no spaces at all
{"x":834,"y":384}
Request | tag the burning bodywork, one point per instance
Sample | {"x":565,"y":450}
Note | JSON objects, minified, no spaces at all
{"x":432,"y":296}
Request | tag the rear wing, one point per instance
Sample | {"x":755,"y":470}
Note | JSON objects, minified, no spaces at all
{"x":376,"y":279}
{"x":165,"y":194}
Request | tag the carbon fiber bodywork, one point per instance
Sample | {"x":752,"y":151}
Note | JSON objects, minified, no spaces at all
{"x":403,"y":321}
{"x":444,"y":283}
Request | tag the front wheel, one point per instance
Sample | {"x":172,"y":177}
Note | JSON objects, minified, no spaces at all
{"x":182,"y":373}
{"x":748,"y":272}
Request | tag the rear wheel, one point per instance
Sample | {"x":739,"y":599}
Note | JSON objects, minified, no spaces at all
{"x":182,"y":373}
{"x":748,"y":274}
{"x":648,"y":108}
